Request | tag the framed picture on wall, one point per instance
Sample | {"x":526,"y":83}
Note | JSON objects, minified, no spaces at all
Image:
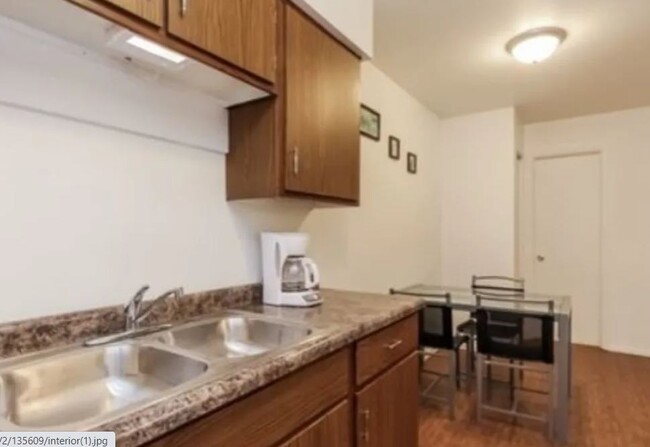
{"x":394,"y":147}
{"x":412,"y":163}
{"x":370,"y":123}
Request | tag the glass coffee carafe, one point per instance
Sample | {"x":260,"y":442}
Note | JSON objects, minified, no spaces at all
{"x":299,"y":274}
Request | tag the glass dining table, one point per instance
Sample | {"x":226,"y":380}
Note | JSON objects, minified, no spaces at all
{"x":464,"y":299}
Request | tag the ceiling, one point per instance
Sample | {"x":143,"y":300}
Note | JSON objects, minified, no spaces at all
{"x":450,"y":55}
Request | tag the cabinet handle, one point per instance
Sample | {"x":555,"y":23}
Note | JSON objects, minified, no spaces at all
{"x":393,"y":345}
{"x":296,"y":161}
{"x":365,"y":434}
{"x":183,"y":7}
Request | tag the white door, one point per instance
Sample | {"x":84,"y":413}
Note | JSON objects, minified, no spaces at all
{"x":567,"y":227}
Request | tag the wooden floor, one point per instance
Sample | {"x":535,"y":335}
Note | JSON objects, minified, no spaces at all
{"x":610,"y":408}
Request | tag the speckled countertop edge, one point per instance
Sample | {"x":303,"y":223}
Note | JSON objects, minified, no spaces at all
{"x":345,"y":316}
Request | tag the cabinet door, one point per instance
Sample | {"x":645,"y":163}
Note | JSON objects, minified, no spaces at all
{"x":242,"y":32}
{"x":149,"y":10}
{"x":332,"y":430}
{"x":322,"y":112}
{"x":387,"y":409}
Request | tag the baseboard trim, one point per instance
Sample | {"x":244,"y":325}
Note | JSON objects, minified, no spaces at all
{"x":626,"y":350}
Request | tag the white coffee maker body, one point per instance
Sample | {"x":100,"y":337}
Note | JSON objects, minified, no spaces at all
{"x":290,"y":277}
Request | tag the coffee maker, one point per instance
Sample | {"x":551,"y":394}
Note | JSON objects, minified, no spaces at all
{"x":290,"y":277}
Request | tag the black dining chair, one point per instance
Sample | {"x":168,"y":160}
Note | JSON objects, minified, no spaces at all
{"x":495,"y":286}
{"x":437,"y":333}
{"x":515,"y":335}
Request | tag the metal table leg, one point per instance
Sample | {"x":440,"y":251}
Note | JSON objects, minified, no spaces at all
{"x":563,"y":377}
{"x":453,"y":375}
{"x":479,"y":387}
{"x":570,"y":333}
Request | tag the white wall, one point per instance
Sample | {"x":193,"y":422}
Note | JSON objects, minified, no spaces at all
{"x":351,"y":21}
{"x":88,"y":215}
{"x":393,"y":238}
{"x":623,"y":138}
{"x":91,"y":209}
{"x":49,"y":74}
{"x":478,"y":195}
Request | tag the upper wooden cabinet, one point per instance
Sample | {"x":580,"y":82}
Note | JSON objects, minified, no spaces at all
{"x":242,"y":32}
{"x":305,"y":142}
{"x":149,"y":10}
{"x":322,"y":127}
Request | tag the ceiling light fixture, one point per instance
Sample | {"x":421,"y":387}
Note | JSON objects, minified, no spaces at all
{"x":536,"y":45}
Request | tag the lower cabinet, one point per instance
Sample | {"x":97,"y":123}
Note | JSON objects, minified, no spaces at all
{"x":332,"y":430}
{"x":387,"y":408}
{"x":273,"y":414}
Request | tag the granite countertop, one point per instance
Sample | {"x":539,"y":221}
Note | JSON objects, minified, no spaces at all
{"x":344,"y":317}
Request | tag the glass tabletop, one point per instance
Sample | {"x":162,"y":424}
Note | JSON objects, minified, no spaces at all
{"x":463,"y":298}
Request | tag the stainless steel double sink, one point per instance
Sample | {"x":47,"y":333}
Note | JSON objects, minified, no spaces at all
{"x":80,"y":387}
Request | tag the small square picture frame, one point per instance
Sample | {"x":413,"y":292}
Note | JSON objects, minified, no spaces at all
{"x":394,"y":147}
{"x":370,"y":123}
{"x":412,"y":163}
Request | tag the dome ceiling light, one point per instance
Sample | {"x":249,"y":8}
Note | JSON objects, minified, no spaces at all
{"x":536,"y":45}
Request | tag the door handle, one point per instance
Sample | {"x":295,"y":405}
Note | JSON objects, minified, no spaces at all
{"x":541,"y":258}
{"x":365,"y":433}
{"x":296,"y":161}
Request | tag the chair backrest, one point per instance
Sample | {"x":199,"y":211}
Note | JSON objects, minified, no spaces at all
{"x":436,"y":330}
{"x":498,"y":286}
{"x":514,"y":334}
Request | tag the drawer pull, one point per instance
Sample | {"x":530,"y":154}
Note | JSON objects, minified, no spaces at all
{"x":393,"y":345}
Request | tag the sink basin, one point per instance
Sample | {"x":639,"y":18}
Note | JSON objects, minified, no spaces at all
{"x":235,"y":336}
{"x":88,"y":383}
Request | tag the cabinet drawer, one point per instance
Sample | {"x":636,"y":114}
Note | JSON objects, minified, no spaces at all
{"x":270,"y":415}
{"x":382,"y":349}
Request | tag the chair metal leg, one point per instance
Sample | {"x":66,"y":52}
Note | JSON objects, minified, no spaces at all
{"x":453,"y":377}
{"x":511,"y":371}
{"x":479,"y":387}
{"x":552,"y":403}
{"x":456,"y":361}
{"x":488,"y":385}
{"x":469,"y":361}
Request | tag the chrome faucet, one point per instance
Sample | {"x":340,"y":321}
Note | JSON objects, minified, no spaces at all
{"x":134,"y":311}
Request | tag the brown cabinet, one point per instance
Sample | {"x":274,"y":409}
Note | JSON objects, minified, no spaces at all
{"x":272,"y":414}
{"x":332,"y":430}
{"x":387,"y":409}
{"x":149,"y":10}
{"x":304,"y":142}
{"x":242,"y":32}
{"x":322,"y":108}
